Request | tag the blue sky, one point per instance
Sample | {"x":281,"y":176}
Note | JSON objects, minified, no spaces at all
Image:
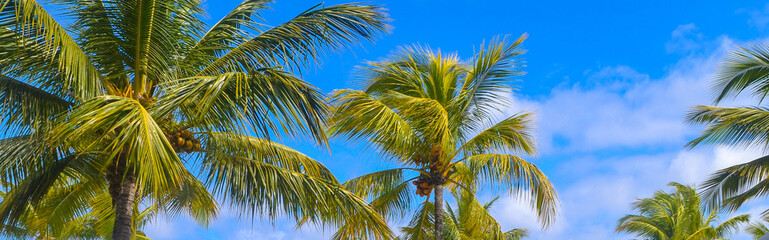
{"x":610,"y":82}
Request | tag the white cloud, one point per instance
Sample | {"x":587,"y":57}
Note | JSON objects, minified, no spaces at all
{"x":619,"y":136}
{"x":618,"y":107}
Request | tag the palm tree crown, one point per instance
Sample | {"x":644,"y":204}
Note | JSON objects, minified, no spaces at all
{"x":136,"y":95}
{"x":678,"y":215}
{"x":434,"y":114}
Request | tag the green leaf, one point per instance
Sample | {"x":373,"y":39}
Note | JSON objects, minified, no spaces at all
{"x":121,"y":128}
{"x":304,"y":38}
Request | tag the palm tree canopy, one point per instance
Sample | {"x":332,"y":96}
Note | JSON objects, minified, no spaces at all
{"x":469,"y":219}
{"x":745,"y":70}
{"x":677,"y":215}
{"x":145,"y":89}
{"x":436,"y":116}
{"x":53,"y":218}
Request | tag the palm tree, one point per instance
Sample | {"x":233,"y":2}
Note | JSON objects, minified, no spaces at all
{"x":136,"y":95}
{"x":746,"y":69}
{"x":431,"y":113}
{"x":470,"y":219}
{"x":95,"y":222}
{"x":758,"y":229}
{"x":678,"y":215}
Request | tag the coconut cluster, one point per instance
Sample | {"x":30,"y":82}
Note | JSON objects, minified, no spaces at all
{"x":183,"y":141}
{"x":425,"y":183}
{"x":424,"y":187}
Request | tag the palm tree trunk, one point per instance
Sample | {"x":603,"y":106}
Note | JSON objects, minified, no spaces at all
{"x":438,"y":212}
{"x":124,"y":205}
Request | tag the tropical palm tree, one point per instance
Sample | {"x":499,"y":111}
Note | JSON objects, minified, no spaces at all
{"x":678,"y":215}
{"x":746,"y":69}
{"x":134,"y":96}
{"x":434,"y":115}
{"x":470,"y":219}
{"x":94,"y":222}
{"x":758,"y":229}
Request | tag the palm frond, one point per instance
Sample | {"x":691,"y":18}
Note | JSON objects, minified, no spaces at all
{"x":25,"y":107}
{"x":255,"y":187}
{"x":757,"y":229}
{"x":516,"y":234}
{"x":305,"y":38}
{"x":358,"y":115}
{"x":490,"y":79}
{"x":732,"y":225}
{"x":420,"y":226}
{"x":154,"y":31}
{"x":744,"y":69}
{"x":99,"y":36}
{"x":736,"y":126}
{"x":56,"y":60}
{"x":512,"y":134}
{"x":268,"y":101}
{"x":375,"y":183}
{"x":223,"y":145}
{"x":524,"y":179}
{"x":122,"y":128}
{"x":34,"y":186}
{"x":475,"y":219}
{"x":731,"y":187}
{"x":231,"y":31}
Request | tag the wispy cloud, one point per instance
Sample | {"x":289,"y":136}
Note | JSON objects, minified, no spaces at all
{"x":759,"y":18}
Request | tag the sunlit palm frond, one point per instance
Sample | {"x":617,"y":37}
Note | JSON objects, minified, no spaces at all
{"x":513,"y":134}
{"x":223,"y":145}
{"x":98,"y":36}
{"x":122,"y":128}
{"x":389,"y":191}
{"x":737,"y":126}
{"x":744,"y":69}
{"x":304,"y":38}
{"x":421,"y":224}
{"x":154,"y":32}
{"x":389,"y":194}
{"x":255,"y":187}
{"x":55,"y":59}
{"x":732,"y":225}
{"x":425,"y":115}
{"x":375,"y":183}
{"x":191,"y":198}
{"x":474,"y":218}
{"x":231,"y":31}
{"x":358,"y":115}
{"x":522,"y":178}
{"x":265,"y":101}
{"x":488,"y":83}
